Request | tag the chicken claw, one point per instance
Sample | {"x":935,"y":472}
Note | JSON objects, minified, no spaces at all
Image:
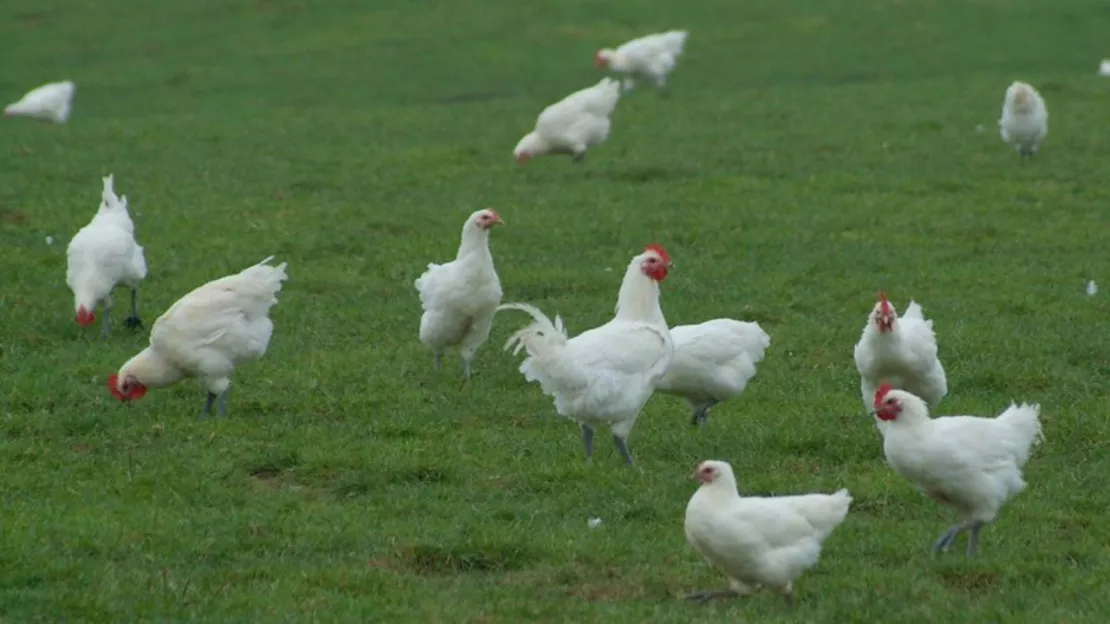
{"x":702,"y":597}
{"x":221,"y":405}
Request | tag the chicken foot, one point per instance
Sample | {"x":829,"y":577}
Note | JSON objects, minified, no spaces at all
{"x":133,"y":321}
{"x":439,"y":360}
{"x":588,"y":442}
{"x":949,"y":537}
{"x":705,"y":596}
{"x":588,"y":439}
{"x":221,"y":406}
{"x":622,"y":448}
{"x":105,"y":321}
{"x":701,"y":413}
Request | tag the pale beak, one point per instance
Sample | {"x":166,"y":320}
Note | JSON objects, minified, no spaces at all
{"x":498,"y":220}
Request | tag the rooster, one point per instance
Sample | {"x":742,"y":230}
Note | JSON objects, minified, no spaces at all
{"x":50,"y":102}
{"x":968,"y":463}
{"x":1024,"y":121}
{"x":460,"y":297}
{"x":604,"y":375}
{"x":103,"y":255}
{"x":572,"y":125}
{"x":206,"y":334}
{"x":757,"y":541}
{"x":901,"y":352}
{"x":713,"y":361}
{"x":651,"y":57}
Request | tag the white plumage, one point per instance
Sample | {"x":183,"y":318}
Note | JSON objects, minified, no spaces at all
{"x":460,"y":297}
{"x":572,"y":125}
{"x":713,"y":361}
{"x":651,"y":57}
{"x":103,"y":255}
{"x":603,"y":376}
{"x":971,"y":464}
{"x":206,"y":334}
{"x":1024,"y":121}
{"x":757,"y":541}
{"x":901,"y":352}
{"x":50,"y":102}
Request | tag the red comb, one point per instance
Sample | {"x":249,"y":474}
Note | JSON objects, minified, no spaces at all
{"x":881,"y":393}
{"x":84,"y":317}
{"x":113,"y":387}
{"x":885,"y":305}
{"x":659,"y":250}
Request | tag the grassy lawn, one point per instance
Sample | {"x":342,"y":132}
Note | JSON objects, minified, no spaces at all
{"x":810,"y":153}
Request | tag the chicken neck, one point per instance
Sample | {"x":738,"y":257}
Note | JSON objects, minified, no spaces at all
{"x":638,"y":299}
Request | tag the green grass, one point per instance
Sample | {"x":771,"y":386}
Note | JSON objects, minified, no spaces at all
{"x":810,"y":154}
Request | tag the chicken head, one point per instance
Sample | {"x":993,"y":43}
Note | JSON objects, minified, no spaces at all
{"x":707,"y":472}
{"x":887,"y":407}
{"x":127,"y":389}
{"x":85,"y":317}
{"x":884,"y":314}
{"x":601,"y":58}
{"x":488,"y":218}
{"x":656,"y":263}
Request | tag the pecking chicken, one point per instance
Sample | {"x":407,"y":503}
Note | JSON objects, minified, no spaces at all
{"x":757,"y":541}
{"x":651,"y":57}
{"x":968,"y":463}
{"x":901,"y":352}
{"x":1024,"y":121}
{"x":103,"y":255}
{"x":604,"y":375}
{"x":713,"y":361}
{"x":573,"y":124}
{"x":50,"y":102}
{"x":206,"y":334}
{"x":460,"y":297}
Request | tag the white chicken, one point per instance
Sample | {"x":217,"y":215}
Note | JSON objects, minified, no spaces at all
{"x":607,"y":374}
{"x":757,"y":541}
{"x":971,"y":464}
{"x":573,"y":124}
{"x":651,"y":57}
{"x":1024,"y":121}
{"x":50,"y":102}
{"x":103,"y":255}
{"x":460,"y":297}
{"x":713,"y":361}
{"x":206,"y":334}
{"x":901,"y":352}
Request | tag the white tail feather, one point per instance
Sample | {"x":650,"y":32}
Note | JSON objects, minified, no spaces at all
{"x":538,"y":337}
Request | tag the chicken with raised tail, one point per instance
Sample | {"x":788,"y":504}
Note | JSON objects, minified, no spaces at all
{"x":971,"y":464}
{"x":102,"y":256}
{"x":757,"y":541}
{"x":1024,"y":121}
{"x":651,"y":57}
{"x":605,"y":375}
{"x":573,"y":124}
{"x":713,"y":361}
{"x":460,"y":297}
{"x":901,"y":352}
{"x":50,"y":102}
{"x":206,"y":334}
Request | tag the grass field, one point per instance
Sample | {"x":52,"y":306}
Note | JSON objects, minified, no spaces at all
{"x":810,"y":153}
